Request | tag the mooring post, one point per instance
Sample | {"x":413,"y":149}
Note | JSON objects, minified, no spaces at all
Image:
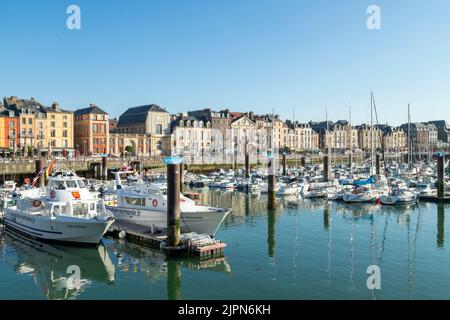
{"x":303,"y":161}
{"x":271,"y":183}
{"x":99,"y":171}
{"x":105,"y":167}
{"x":440,"y":174}
{"x":378,"y":164}
{"x":271,"y":222}
{"x":284,"y":164}
{"x":326,"y":168}
{"x":440,"y":225}
{"x":247,"y":165}
{"x":173,"y":280}
{"x":181,"y":178}
{"x":173,"y":200}
{"x":40,"y":165}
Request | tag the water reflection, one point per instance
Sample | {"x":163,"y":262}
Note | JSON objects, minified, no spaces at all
{"x":271,"y":220}
{"x":310,"y":248}
{"x":440,"y":225}
{"x":50,"y":265}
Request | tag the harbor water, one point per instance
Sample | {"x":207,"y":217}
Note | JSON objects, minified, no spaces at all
{"x":305,"y":249}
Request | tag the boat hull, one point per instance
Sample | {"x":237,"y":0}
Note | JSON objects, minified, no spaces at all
{"x":202,"y":222}
{"x":350,"y":198}
{"x":395,"y":200}
{"x":60,"y":229}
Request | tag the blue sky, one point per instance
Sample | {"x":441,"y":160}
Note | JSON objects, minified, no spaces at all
{"x":239,"y":54}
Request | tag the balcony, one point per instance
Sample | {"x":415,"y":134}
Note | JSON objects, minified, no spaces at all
{"x":27,"y":135}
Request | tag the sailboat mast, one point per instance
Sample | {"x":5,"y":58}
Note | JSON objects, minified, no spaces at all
{"x":327,"y":137}
{"x":351,"y":137}
{"x":371,"y":134}
{"x":409,"y":136}
{"x":294,"y":145}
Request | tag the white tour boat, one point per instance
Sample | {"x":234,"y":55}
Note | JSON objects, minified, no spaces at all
{"x":146,"y":205}
{"x":63,"y":211}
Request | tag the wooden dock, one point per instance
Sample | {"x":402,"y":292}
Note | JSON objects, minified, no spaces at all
{"x":434,"y":199}
{"x":142,"y":236}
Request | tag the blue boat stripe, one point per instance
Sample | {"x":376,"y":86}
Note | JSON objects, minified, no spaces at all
{"x":12,"y":225}
{"x":55,"y":232}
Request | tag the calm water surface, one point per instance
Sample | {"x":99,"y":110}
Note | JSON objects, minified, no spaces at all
{"x":303,"y":250}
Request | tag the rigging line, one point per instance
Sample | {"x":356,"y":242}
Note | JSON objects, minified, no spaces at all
{"x":381,"y":140}
{"x":414,"y":248}
{"x":296,"y":245}
{"x":409,"y":257}
{"x":372,"y":247}
{"x":330,"y":241}
{"x":380,"y":259}
{"x":352,"y":255}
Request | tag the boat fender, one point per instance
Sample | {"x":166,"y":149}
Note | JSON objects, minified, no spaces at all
{"x":122,"y":234}
{"x":155,"y":203}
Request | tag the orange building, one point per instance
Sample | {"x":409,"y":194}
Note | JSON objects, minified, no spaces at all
{"x":91,"y":131}
{"x":9,"y":126}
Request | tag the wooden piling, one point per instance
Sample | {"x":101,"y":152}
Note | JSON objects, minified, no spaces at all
{"x":105,"y":168}
{"x":173,"y":201}
{"x":271,"y":222}
{"x":247,"y":165}
{"x":303,"y":161}
{"x":271,"y":184}
{"x":181,"y":178}
{"x":173,"y":280}
{"x":326,"y":168}
{"x":378,"y":164}
{"x":40,"y":165}
{"x":440,"y":225}
{"x":440,"y":176}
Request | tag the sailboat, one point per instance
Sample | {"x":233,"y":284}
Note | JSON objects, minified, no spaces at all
{"x":367,"y":192}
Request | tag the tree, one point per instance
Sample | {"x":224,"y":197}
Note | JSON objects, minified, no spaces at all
{"x":129,"y":149}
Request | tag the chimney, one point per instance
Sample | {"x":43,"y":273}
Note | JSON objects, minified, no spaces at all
{"x":55,"y":106}
{"x":92,"y":105}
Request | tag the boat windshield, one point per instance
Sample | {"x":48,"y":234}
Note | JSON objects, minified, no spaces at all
{"x":82,"y":184}
{"x":71,"y":184}
{"x":80,"y":209}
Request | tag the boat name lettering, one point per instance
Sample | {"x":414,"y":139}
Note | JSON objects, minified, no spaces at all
{"x":21,"y":216}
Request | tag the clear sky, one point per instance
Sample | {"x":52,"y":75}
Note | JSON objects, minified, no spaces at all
{"x":239,"y":54}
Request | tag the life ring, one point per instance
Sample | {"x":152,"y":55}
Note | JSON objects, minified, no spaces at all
{"x":154,"y":203}
{"x":36,"y":203}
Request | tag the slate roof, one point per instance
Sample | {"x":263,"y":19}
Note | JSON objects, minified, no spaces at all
{"x":138,"y":115}
{"x":90,"y":110}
